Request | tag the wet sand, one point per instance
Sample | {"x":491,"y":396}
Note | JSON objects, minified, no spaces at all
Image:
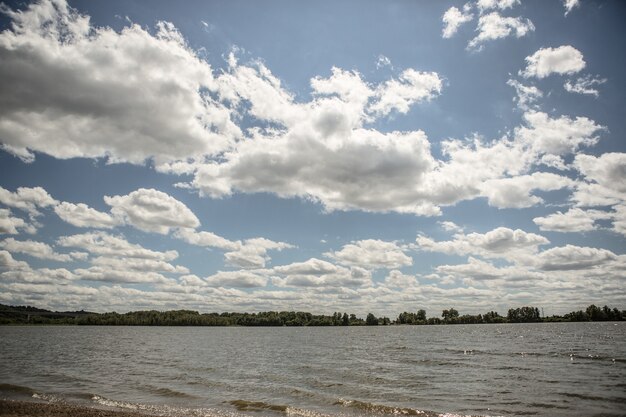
{"x":32,"y":409}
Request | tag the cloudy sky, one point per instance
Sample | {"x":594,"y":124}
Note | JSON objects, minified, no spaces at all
{"x":321,"y":156}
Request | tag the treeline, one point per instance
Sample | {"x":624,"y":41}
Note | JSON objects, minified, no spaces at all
{"x":32,"y":315}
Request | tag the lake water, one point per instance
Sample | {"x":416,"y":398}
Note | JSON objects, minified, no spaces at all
{"x":560,"y":369}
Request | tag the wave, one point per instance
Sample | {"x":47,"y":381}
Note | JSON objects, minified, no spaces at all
{"x":18,"y":389}
{"x":243,"y":405}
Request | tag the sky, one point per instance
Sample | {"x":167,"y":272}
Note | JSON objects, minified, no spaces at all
{"x":319,"y":156}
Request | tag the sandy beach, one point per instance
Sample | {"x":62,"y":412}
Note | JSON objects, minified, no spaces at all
{"x":31,"y":409}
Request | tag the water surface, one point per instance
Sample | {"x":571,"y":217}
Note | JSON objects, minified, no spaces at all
{"x":560,"y":369}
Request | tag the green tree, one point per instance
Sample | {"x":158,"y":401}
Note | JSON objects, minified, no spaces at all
{"x":371,"y":320}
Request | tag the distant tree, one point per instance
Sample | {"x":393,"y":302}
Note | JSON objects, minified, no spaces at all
{"x":345,"y":320}
{"x":421,"y":315}
{"x":450,"y":316}
{"x":371,"y":320}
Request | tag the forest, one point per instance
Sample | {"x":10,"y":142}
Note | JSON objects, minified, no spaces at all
{"x":19,"y":315}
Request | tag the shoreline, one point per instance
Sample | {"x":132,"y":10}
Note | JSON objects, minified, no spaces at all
{"x":19,"y":408}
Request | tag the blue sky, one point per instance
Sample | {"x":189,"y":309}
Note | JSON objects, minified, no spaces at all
{"x":377,"y":156}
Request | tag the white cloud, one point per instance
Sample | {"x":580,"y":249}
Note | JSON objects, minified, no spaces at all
{"x":501,"y":242}
{"x":383,"y":61}
{"x":516,"y":192}
{"x":7,"y":262}
{"x":237,"y":279}
{"x":562,"y":60}
{"x":372,"y":254}
{"x":10,"y":224}
{"x":494,"y":26}
{"x":449,"y":226}
{"x":584,"y":85}
{"x":411,"y":87}
{"x":526,"y":95}
{"x":569,"y":5}
{"x":101,"y":243}
{"x":571,"y":257}
{"x":81,"y":215}
{"x":574,"y":220}
{"x":105,"y":274}
{"x":207,"y":239}
{"x":137,"y":264}
{"x":495,"y":4}
{"x":317,"y":273}
{"x":396,"y":279}
{"x":558,"y":136}
{"x":453,"y":18}
{"x":71,"y":89}
{"x":35,"y":249}
{"x":605,"y":179}
{"x":253,"y":253}
{"x":27,"y":199}
{"x":151,"y":210}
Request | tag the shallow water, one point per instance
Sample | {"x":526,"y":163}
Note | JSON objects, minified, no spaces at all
{"x":560,"y":369}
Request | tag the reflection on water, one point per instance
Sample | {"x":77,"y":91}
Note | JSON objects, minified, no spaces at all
{"x":560,"y":369}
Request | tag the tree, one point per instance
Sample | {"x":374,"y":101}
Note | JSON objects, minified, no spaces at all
{"x":421,"y":315}
{"x":450,"y":316}
{"x":371,"y":320}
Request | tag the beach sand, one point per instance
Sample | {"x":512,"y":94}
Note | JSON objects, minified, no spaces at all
{"x":32,"y":409}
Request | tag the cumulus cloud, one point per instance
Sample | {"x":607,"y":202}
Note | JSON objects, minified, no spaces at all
{"x":571,"y":257}
{"x":252,"y":253}
{"x":494,"y":26}
{"x":27,"y":199}
{"x":237,"y":279}
{"x":526,"y":95}
{"x":8,"y":262}
{"x":35,"y":249}
{"x":584,"y":85}
{"x":206,"y":239}
{"x":81,"y":215}
{"x":562,"y":60}
{"x":318,"y":273}
{"x":516,"y":192}
{"x":372,"y":254}
{"x":501,"y":242}
{"x":558,"y":136}
{"x":449,"y":226}
{"x":104,"y":244}
{"x":104,"y":274}
{"x":569,"y":5}
{"x":605,"y":179}
{"x":410,"y":88}
{"x":151,"y":210}
{"x":10,"y":224}
{"x":574,"y":220}
{"x":396,"y":279}
{"x":495,"y":4}
{"x":137,"y":264}
{"x":453,"y":18}
{"x":71,"y":89}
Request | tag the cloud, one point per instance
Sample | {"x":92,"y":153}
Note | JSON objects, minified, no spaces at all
{"x":81,"y":215}
{"x":237,"y":279}
{"x":501,"y":242}
{"x":151,"y":210}
{"x":571,"y":257}
{"x":206,"y":239}
{"x":495,"y":4}
{"x":453,"y":18}
{"x":318,"y":273}
{"x":584,"y":85}
{"x":449,"y":226}
{"x":105,"y":274}
{"x":9,"y":224}
{"x":396,"y":279}
{"x":253,"y":253}
{"x":383,"y":61}
{"x":574,"y":220}
{"x":527,"y":95}
{"x":104,"y":244}
{"x":411,"y":87}
{"x":604,"y":175}
{"x":35,"y":249}
{"x":516,"y":192}
{"x":558,"y":136}
{"x":570,"y":5}
{"x":71,"y":89}
{"x":562,"y":60}
{"x":7,"y":262}
{"x":27,"y":199}
{"x":137,"y":264}
{"x":372,"y":254}
{"x":494,"y":26}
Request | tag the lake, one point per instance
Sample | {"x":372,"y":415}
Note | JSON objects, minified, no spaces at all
{"x":547,"y":369}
